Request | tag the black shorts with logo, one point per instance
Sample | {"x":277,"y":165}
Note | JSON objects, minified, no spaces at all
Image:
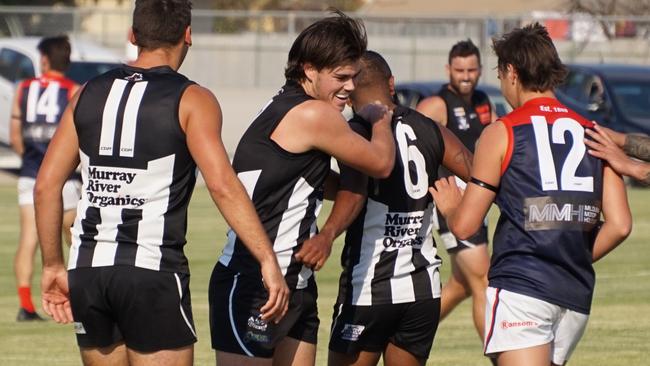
{"x":410,"y":326}
{"x":147,"y":310}
{"x":235,"y":323}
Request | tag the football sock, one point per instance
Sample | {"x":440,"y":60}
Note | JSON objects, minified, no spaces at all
{"x":25,"y":296}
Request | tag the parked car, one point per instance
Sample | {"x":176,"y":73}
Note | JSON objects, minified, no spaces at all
{"x":20,"y":59}
{"x":616,"y":96}
{"x":411,"y":93}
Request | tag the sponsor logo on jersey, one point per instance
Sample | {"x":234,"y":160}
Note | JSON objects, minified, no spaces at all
{"x":351,"y":332}
{"x":401,"y":230}
{"x":461,"y":118}
{"x":79,"y":328}
{"x":518,"y":324}
{"x":560,"y":213}
{"x":484,"y":114}
{"x":134,"y":77}
{"x":103,"y":188}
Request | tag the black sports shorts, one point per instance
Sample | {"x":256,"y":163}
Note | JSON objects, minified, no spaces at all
{"x":147,"y":310}
{"x":235,"y":323}
{"x":410,"y":326}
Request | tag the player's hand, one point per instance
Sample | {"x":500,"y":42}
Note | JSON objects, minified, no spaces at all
{"x":55,"y":294}
{"x":315,"y":251}
{"x":601,"y":145}
{"x":278,"y":301}
{"x":375,"y":112}
{"x":446,"y":195}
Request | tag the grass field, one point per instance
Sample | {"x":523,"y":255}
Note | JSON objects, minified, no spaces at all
{"x":618,"y":332}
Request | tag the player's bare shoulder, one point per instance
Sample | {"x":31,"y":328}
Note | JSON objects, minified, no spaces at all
{"x":435,"y":108}
{"x":198,"y":101}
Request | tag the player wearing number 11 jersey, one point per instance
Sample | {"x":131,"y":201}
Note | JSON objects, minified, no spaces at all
{"x":552,"y":197}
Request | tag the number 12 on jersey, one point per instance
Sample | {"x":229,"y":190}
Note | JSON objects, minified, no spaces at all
{"x":568,"y":179}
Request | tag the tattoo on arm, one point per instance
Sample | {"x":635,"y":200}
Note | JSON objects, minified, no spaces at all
{"x":646,"y":181}
{"x":464,"y":159}
{"x":637,"y":146}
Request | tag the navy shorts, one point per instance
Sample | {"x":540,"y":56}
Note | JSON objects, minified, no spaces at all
{"x":235,"y":323}
{"x":410,"y":326}
{"x":147,"y":310}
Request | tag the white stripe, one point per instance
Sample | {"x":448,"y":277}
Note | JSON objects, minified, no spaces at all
{"x":232,"y":320}
{"x":249,"y":181}
{"x":180,"y":295}
{"x":129,"y":122}
{"x":364,"y":271}
{"x":336,"y":318}
{"x":109,"y":117}
{"x":401,"y":284}
{"x":289,"y":228}
{"x":152,"y":227}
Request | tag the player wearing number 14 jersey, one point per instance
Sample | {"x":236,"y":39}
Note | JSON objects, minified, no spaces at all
{"x":38,"y":105}
{"x":552,"y":197}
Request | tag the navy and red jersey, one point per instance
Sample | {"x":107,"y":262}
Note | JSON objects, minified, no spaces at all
{"x":42,"y":101}
{"x":550,"y":200}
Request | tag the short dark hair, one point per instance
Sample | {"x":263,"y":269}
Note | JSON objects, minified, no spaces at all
{"x":533,"y":56}
{"x":160,"y":23}
{"x":57,"y":50}
{"x":327,"y":43}
{"x":374,"y":70}
{"x":464,"y":49}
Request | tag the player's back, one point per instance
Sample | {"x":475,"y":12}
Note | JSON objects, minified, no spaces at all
{"x":42,"y":101}
{"x":389,"y":254}
{"x":138,"y":174}
{"x":550,"y":200}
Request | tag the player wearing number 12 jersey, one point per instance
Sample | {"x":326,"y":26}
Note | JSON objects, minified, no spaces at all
{"x":37,"y":108}
{"x":552,"y":196}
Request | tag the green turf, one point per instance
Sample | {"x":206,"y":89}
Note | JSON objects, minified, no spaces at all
{"x":618,"y":332}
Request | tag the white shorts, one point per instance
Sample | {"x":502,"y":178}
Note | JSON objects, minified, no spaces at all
{"x":71,"y":192}
{"x":514,"y":321}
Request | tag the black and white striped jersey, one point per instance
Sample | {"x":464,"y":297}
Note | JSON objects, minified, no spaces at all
{"x":137,"y":172}
{"x":286,"y":189}
{"x":390,"y":256}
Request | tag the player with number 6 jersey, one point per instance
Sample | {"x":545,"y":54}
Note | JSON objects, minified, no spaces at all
{"x":552,"y":197}
{"x":389,"y":291}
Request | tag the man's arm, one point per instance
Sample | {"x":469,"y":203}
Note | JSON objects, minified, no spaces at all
{"x":317,"y":125}
{"x":637,"y":146}
{"x":435,"y":108}
{"x":604,"y":145}
{"x":465,"y":212}
{"x":15,"y":128}
{"x":201,"y":119}
{"x":457,"y":158}
{"x":618,"y":219}
{"x":61,"y":159}
{"x":349,"y":201}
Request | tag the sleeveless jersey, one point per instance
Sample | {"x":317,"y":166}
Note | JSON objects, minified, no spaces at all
{"x":137,"y":173}
{"x":42,"y":101}
{"x":466,"y":121}
{"x":286,"y":189}
{"x":550,"y":200}
{"x":390,"y":256}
